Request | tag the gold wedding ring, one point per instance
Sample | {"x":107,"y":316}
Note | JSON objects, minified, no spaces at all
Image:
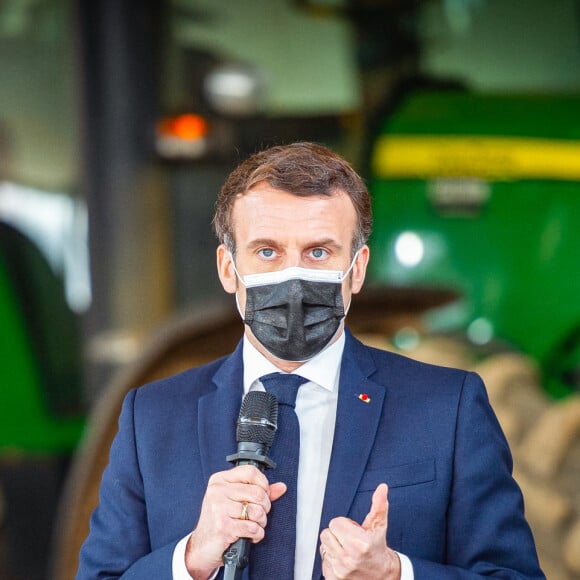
{"x":244,"y":514}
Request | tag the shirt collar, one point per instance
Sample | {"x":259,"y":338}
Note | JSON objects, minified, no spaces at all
{"x":323,"y":369}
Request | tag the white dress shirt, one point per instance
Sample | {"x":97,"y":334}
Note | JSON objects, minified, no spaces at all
{"x":316,"y":404}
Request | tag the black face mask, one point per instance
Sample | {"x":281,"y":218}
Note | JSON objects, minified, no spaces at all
{"x":294,"y":313}
{"x":294,"y":319}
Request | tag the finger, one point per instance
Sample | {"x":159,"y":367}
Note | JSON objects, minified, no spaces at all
{"x":246,"y":474}
{"x":331,"y":552}
{"x":277,"y":490}
{"x":330,"y":542}
{"x":253,"y":512}
{"x":378,"y":515}
{"x":325,"y":560}
{"x":242,"y":492}
{"x":244,"y":529}
{"x":344,"y":528}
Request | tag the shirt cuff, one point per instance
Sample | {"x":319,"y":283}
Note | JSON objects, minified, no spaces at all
{"x":406,"y":568}
{"x":178,"y":569}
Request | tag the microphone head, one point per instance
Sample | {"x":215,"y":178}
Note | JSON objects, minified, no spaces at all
{"x":258,"y":419}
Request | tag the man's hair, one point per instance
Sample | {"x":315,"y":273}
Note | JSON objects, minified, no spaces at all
{"x":302,"y":169}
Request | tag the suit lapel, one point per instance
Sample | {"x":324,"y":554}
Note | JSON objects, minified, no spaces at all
{"x":354,"y":435}
{"x":218,"y":414}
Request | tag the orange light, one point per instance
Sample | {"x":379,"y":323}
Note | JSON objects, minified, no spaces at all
{"x":188,"y":127}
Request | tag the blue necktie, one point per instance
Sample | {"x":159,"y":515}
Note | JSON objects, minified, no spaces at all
{"x":273,"y":557}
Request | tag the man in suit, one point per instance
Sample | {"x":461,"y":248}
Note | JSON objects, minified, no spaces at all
{"x":403,"y":471}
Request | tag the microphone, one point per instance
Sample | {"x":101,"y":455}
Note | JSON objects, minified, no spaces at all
{"x":256,"y":428}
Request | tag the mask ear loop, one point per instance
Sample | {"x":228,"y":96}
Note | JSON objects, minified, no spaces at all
{"x":236,"y":270}
{"x":344,"y":277}
{"x":243,"y":284}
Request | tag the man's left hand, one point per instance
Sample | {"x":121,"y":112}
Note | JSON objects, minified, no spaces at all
{"x":351,"y":551}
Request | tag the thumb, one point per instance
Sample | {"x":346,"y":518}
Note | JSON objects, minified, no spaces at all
{"x":277,"y":490}
{"x":377,"y":516}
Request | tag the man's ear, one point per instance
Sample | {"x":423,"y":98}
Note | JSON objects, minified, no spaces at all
{"x":225,"y":268}
{"x":359,"y":269}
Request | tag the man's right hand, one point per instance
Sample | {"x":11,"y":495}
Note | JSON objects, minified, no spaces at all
{"x":219,"y":523}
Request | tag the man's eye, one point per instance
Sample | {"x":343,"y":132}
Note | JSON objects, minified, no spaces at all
{"x":266,"y":253}
{"x":318,"y":253}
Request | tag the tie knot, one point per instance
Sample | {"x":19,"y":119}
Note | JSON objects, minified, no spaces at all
{"x":283,"y":386}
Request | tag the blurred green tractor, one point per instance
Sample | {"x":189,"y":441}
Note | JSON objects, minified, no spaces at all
{"x":40,"y":401}
{"x":481,"y":194}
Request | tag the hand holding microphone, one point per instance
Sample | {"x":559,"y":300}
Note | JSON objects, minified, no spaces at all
{"x":241,"y":491}
{"x":257,"y":426}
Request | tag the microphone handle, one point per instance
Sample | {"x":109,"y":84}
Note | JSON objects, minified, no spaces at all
{"x":236,"y":558}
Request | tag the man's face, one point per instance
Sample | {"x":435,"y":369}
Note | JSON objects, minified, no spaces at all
{"x":274,"y":230}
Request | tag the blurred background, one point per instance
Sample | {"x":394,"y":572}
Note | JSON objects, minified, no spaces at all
{"x":119,"y":121}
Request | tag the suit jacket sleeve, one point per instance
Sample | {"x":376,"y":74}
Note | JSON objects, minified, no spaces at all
{"x":486,"y":532}
{"x":118,"y":545}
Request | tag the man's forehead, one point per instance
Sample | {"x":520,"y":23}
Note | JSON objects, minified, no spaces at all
{"x":267,"y":193}
{"x":268,"y":213}
{"x":282,"y":206}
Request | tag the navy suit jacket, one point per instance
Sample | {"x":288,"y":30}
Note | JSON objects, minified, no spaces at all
{"x":427,"y":431}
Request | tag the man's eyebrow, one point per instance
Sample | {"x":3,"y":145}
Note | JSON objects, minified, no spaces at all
{"x":259,"y":242}
{"x":270,"y":242}
{"x":326,"y":242}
